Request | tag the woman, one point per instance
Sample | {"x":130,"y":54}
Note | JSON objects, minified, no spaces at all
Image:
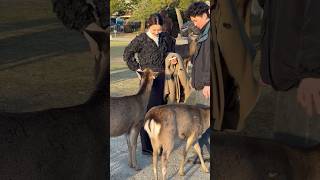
{"x":152,"y":48}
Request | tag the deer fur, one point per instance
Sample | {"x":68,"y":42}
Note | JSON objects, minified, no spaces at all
{"x":192,"y":45}
{"x":127,"y":114}
{"x":238,"y":157}
{"x":164,"y":123}
{"x":61,"y":143}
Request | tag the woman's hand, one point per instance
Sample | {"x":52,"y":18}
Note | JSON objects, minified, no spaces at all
{"x":174,"y":60}
{"x":206,"y":91}
{"x":308,"y":95}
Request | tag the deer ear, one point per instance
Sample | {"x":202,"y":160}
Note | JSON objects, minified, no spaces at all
{"x":155,"y":75}
{"x":99,"y":37}
{"x":140,"y":74}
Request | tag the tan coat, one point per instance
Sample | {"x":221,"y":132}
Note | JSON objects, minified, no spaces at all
{"x":237,"y":53}
{"x":175,"y":76}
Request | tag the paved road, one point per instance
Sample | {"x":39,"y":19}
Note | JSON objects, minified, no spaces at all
{"x":125,"y":82}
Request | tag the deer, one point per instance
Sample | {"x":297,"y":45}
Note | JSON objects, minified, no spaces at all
{"x":127,"y":114}
{"x":166,"y":122}
{"x":188,"y":50}
{"x":239,"y":157}
{"x":192,"y":42}
{"x":59,"y":143}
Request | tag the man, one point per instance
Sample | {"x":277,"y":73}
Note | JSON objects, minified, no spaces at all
{"x":199,"y":15}
{"x":200,"y":76}
{"x":291,"y":65}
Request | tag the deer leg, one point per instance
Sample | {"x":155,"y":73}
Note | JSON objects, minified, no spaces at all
{"x":129,"y":150}
{"x":198,"y":150}
{"x":167,"y":149}
{"x":133,"y":140}
{"x":190,"y":141}
{"x":155,"y":147}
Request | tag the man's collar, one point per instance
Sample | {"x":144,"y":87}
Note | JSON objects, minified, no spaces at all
{"x":204,"y":32}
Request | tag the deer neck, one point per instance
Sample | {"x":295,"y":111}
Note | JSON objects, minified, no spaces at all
{"x":192,"y":48}
{"x":207,"y":117}
{"x":145,"y":91}
{"x":101,"y":92}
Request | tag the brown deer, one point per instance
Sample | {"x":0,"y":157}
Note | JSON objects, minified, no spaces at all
{"x":164,"y":123}
{"x":238,"y":157}
{"x":127,"y":114}
{"x":62,"y":143}
{"x":192,"y":41}
{"x":188,"y":50}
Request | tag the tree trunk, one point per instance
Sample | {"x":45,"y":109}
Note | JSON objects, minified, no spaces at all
{"x":143,"y":26}
{"x":179,"y":18}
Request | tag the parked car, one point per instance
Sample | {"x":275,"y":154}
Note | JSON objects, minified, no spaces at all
{"x":131,"y":26}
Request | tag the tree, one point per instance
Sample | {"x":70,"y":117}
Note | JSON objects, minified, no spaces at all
{"x":123,"y":6}
{"x":145,"y":8}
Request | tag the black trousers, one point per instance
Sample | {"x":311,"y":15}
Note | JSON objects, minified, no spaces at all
{"x":156,"y":98}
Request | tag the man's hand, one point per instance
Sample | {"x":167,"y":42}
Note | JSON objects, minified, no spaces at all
{"x":308,"y":95}
{"x":206,"y":91}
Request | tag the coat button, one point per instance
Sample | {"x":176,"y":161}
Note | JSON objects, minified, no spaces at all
{"x":227,"y":25}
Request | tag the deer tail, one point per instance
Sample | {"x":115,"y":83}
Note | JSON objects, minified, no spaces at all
{"x":152,"y":128}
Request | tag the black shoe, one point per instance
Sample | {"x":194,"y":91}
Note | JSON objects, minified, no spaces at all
{"x":147,"y":152}
{"x":196,"y":160}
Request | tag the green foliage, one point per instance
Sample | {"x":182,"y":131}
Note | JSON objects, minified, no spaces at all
{"x":147,"y":7}
{"x":184,"y":4}
{"x":144,"y":8}
{"x":123,"y":6}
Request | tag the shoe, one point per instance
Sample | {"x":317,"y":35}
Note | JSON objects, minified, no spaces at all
{"x":147,"y":152}
{"x":196,"y":160}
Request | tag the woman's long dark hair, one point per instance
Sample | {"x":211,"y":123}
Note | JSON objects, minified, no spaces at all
{"x":155,"y":19}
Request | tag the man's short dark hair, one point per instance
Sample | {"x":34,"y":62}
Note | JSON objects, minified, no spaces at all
{"x":197,"y":9}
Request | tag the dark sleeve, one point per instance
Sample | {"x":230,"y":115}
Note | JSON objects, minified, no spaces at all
{"x":173,"y":44}
{"x":182,"y":50}
{"x":309,"y":61}
{"x":103,"y":12}
{"x":261,"y":3}
{"x":170,"y":42}
{"x":207,"y":59}
{"x":129,"y":53}
{"x":74,"y":14}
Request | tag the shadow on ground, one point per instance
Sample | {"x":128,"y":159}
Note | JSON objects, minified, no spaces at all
{"x":51,"y":42}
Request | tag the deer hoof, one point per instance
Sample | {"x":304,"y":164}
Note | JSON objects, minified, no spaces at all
{"x":181,"y":173}
{"x":137,"y":168}
{"x":205,"y":170}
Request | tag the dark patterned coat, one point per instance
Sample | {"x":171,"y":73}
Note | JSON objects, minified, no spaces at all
{"x":149,"y":54}
{"x":78,"y":14}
